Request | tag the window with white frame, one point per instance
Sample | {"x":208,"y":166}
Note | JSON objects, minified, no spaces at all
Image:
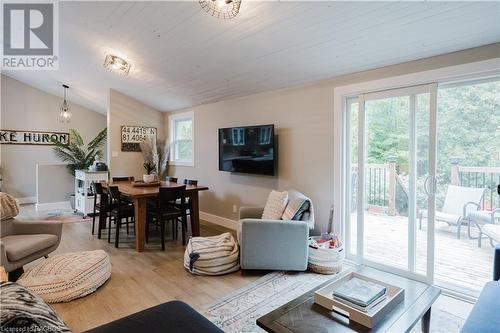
{"x":181,"y":133}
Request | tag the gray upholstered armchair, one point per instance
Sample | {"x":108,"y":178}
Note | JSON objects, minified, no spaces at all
{"x":272,"y":244}
{"x":22,"y":242}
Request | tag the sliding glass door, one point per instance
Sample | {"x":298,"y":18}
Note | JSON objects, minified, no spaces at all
{"x":390,"y":168}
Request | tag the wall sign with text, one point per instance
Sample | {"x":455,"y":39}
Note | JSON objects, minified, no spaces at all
{"x":39,"y":138}
{"x":132,"y":136}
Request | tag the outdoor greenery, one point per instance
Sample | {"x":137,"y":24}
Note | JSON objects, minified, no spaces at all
{"x":468,"y":127}
{"x":183,"y":136}
{"x":78,"y":155}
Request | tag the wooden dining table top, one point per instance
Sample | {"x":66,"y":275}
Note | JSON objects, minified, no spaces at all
{"x":127,"y":188}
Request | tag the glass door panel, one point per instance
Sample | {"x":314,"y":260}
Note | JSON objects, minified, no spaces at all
{"x":468,"y":162}
{"x":420,"y":213}
{"x":351,"y":216}
{"x":386,"y":171}
{"x":388,"y":161}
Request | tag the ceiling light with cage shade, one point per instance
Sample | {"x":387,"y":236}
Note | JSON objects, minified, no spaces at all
{"x":117,"y":64}
{"x":223,"y":9}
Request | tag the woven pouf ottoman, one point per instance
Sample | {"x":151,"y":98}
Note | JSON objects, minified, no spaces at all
{"x":214,"y":255}
{"x":67,"y":276}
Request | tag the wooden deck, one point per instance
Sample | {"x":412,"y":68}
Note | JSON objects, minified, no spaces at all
{"x":458,"y":262}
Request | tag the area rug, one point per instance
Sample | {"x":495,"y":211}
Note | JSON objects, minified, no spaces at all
{"x":61,"y":215}
{"x":239,"y":311}
{"x":442,"y":322}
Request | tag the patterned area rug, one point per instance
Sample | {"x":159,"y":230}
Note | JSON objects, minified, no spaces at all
{"x":239,"y":311}
{"x":61,"y":215}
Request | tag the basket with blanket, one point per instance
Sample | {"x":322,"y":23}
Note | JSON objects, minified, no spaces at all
{"x":325,"y":254}
{"x":214,"y":255}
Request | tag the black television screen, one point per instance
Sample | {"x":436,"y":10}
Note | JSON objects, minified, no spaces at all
{"x":248,"y":149}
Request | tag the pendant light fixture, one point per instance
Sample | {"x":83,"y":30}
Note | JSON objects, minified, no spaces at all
{"x":65,"y":114}
{"x":223,"y":9}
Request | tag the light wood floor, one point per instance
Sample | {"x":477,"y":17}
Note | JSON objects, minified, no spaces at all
{"x":140,"y":280}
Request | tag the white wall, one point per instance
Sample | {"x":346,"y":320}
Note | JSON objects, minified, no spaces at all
{"x":24,"y":107}
{"x":303,"y":119}
{"x":124,"y":110}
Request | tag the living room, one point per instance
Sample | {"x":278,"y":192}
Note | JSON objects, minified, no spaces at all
{"x":208,"y":152}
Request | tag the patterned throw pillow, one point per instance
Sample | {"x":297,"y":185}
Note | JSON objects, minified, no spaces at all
{"x":23,"y":311}
{"x":275,"y":205}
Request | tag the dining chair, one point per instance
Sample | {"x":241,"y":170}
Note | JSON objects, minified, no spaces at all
{"x":165,"y":209}
{"x":101,"y":206}
{"x":171,"y":179}
{"x":187,"y":205}
{"x":118,"y":212}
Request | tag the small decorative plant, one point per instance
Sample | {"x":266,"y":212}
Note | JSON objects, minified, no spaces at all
{"x":78,"y":155}
{"x":155,"y":156}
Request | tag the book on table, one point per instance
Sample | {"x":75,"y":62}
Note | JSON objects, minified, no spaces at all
{"x":360,"y":294}
{"x":362,"y":308}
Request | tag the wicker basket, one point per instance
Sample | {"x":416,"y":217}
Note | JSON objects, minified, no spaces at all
{"x":325,"y":261}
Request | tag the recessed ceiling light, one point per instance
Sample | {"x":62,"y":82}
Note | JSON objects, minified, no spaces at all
{"x":116,"y":64}
{"x":224,"y":9}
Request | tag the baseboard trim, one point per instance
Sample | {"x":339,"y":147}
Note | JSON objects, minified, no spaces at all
{"x":219,"y":220}
{"x":53,"y":205}
{"x":26,"y":200}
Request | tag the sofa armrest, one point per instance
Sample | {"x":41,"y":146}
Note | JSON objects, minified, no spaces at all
{"x":251,"y":212}
{"x":496,"y":264}
{"x":29,"y":228}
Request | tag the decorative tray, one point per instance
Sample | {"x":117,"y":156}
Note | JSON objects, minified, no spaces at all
{"x":394,"y":295}
{"x":141,"y":183}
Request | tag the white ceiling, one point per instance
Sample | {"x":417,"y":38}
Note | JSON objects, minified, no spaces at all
{"x":181,"y":56}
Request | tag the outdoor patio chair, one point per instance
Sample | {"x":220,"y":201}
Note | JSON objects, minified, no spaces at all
{"x":486,"y":223}
{"x":458,"y":202}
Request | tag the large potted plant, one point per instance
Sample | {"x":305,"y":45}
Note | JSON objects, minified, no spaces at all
{"x":77,"y":154}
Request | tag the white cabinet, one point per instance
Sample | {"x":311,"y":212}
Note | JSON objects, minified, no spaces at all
{"x":84,"y":201}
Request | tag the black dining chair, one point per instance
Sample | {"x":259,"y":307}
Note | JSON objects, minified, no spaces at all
{"x":118,"y":212}
{"x":187,"y":206}
{"x":101,"y":206}
{"x":164,"y":209}
{"x":171,"y":179}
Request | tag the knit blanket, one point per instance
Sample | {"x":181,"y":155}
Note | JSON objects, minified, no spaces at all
{"x":214,"y":255}
{"x":9,"y":207}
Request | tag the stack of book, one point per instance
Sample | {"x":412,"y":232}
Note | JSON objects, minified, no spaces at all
{"x":360,"y":294}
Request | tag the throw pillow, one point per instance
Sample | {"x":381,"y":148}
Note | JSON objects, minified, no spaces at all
{"x":297,"y":205}
{"x":23,"y":311}
{"x":275,"y":205}
{"x":9,"y":207}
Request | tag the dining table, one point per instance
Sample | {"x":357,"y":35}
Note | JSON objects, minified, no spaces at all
{"x":139,"y":195}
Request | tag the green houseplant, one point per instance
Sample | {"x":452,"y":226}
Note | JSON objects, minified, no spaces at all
{"x":79,"y":155}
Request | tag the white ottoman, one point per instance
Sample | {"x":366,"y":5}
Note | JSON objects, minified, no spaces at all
{"x":67,"y":276}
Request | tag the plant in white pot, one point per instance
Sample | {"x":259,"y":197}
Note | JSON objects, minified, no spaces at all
{"x":79,"y":155}
{"x":155,"y":157}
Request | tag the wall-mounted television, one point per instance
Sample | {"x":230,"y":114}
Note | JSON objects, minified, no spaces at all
{"x":248,"y":149}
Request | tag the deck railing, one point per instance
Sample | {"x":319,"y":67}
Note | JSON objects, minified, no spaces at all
{"x":386,"y":190}
{"x":384,"y":187}
{"x":481,"y":177}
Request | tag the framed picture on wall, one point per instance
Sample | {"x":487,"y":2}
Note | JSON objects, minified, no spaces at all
{"x":132,"y":136}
